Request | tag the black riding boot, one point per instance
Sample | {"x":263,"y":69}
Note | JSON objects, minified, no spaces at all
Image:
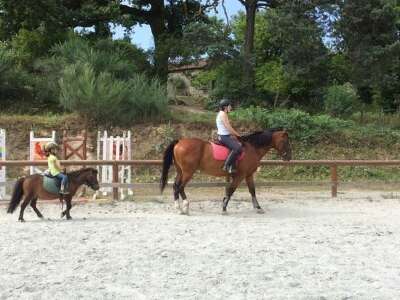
{"x":230,"y":163}
{"x":64,"y":190}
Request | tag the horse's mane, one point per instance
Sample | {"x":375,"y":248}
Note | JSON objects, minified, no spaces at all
{"x":260,"y":139}
{"x":76,"y":173}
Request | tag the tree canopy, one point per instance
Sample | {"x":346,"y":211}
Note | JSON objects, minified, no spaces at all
{"x":273,"y":53}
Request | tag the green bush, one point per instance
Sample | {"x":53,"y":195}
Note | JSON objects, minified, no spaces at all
{"x":302,"y":126}
{"x":204,"y":79}
{"x":341,"y":100}
{"x":106,"y":100}
{"x":179,"y":84}
{"x":104,"y":84}
{"x":14,"y":82}
{"x":309,"y":129}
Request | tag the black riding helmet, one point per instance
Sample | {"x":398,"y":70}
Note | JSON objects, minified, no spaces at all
{"x":223,"y":103}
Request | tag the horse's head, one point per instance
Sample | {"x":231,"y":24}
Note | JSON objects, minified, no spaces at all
{"x":276,"y":138}
{"x":89,"y":178}
{"x":280,"y":141}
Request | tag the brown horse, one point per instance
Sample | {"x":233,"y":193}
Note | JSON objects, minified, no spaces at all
{"x":30,"y":188}
{"x":194,"y":154}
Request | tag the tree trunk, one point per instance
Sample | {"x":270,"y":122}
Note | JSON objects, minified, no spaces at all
{"x":251,"y":8}
{"x":159,"y":31}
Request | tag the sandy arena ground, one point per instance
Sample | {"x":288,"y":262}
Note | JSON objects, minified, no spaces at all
{"x":306,"y":246}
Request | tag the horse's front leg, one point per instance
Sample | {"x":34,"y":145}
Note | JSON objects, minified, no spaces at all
{"x":229,"y":192}
{"x":252,"y":190}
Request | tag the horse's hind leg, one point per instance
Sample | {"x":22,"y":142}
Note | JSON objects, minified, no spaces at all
{"x":177,"y":183}
{"x":185,"y":203}
{"x":33,"y":205}
{"x":176,"y":187}
{"x":24,"y":204}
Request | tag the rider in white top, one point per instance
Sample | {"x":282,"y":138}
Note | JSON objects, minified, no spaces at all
{"x":222,"y":130}
{"x":228,"y":136}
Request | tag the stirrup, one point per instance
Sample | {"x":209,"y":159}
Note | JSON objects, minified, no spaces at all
{"x":64,"y":191}
{"x":231,"y":169}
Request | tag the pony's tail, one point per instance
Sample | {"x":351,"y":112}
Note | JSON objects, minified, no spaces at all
{"x":167,"y":162}
{"x":16,"y":196}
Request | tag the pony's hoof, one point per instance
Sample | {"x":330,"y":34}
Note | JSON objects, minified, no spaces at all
{"x":21,"y":220}
{"x":184,"y":213}
{"x":69,"y":218}
{"x":224,"y":213}
{"x":260,"y":211}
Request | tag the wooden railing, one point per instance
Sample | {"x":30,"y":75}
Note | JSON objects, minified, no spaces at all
{"x":333,"y":164}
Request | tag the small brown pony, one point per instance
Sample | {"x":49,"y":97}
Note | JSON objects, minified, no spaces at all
{"x":30,"y":188}
{"x":189,"y":155}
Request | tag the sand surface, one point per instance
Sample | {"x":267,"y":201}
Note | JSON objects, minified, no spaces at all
{"x":306,"y":246}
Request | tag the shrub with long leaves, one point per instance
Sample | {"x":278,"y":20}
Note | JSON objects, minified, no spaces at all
{"x":110,"y":101}
{"x":101,"y":83}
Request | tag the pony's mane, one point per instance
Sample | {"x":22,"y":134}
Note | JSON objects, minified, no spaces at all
{"x":76,"y":173}
{"x":260,"y":139}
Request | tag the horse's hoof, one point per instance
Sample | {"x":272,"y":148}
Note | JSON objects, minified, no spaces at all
{"x":69,"y":218}
{"x":224,"y":213}
{"x":260,"y":211}
{"x":21,"y":220}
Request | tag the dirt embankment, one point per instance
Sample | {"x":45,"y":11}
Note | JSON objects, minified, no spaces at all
{"x":148,"y":140}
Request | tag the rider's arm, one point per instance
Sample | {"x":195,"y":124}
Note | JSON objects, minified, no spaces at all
{"x":58,"y":165}
{"x":225,"y":120}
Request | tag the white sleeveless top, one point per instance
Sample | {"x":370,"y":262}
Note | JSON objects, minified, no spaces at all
{"x":222,"y":130}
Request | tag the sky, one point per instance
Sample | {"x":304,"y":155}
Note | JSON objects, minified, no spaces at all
{"x":142,"y":35}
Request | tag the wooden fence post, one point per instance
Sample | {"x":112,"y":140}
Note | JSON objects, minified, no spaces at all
{"x":334,"y":181}
{"x":115,"y":180}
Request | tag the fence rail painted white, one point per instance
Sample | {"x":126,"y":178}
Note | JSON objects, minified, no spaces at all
{"x":117,"y":148}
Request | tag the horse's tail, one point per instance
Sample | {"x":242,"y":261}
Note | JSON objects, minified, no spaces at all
{"x":16,"y":196}
{"x":167,"y":162}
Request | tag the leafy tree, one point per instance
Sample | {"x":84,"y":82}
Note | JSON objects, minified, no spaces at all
{"x":211,"y":38}
{"x":166,"y":20}
{"x":368,"y":34}
{"x":341,"y":100}
{"x":13,"y":79}
{"x":271,"y":78}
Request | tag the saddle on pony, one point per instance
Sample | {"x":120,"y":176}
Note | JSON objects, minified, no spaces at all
{"x":221,"y":152}
{"x":52,"y":184}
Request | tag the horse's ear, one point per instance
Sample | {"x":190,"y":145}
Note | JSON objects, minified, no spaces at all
{"x":285,"y":133}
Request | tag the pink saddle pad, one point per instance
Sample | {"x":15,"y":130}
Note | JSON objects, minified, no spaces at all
{"x":221,"y":152}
